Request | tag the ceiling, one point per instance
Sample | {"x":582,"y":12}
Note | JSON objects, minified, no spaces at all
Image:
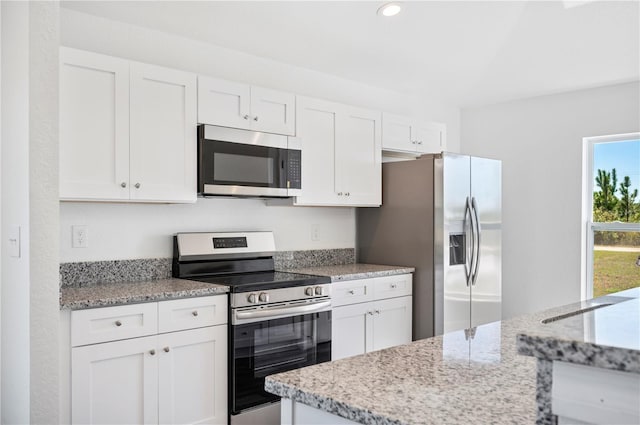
{"x":464,"y":53}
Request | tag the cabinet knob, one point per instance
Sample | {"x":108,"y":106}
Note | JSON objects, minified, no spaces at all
{"x":370,"y":313}
{"x":377,"y":311}
{"x":413,"y":142}
{"x":420,"y":142}
{"x":394,"y":286}
{"x":123,"y":184}
{"x":347,"y":194}
{"x":118,"y":323}
{"x":152,"y":352}
{"x":195,"y":313}
{"x":167,"y":349}
{"x":339,"y":193}
{"x":352,"y":292}
{"x":246,"y":117}
{"x":137,"y":185}
{"x":255,"y":118}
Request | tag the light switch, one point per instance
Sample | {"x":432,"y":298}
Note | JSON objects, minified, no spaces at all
{"x":14,"y":241}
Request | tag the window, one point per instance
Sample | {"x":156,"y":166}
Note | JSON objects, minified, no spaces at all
{"x":611,"y":214}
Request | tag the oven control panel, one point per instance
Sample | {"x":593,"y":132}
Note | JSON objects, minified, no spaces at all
{"x":270,"y":296}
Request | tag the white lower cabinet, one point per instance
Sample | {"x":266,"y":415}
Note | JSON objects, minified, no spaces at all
{"x":382,"y":322}
{"x":169,"y":378}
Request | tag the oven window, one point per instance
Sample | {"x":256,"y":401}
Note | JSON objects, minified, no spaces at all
{"x":243,"y":168}
{"x":264,"y":348}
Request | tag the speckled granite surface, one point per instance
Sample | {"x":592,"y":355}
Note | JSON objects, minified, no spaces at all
{"x":459,"y":377}
{"x":606,"y":337}
{"x":93,"y":272}
{"x":353,"y":271}
{"x":313,"y":258}
{"x":110,"y":294}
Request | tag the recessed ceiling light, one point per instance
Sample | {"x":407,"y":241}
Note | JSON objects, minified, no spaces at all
{"x":389,"y":9}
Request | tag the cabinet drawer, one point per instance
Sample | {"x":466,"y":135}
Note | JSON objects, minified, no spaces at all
{"x":113,"y":323}
{"x":351,"y":292}
{"x":392,"y":286}
{"x":192,"y":313}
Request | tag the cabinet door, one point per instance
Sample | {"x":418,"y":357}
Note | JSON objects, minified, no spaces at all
{"x":396,"y":133}
{"x":115,"y":382}
{"x":391,"y":323}
{"x":193,"y":376}
{"x":430,"y":137}
{"x":350,"y":330}
{"x":224,"y":103}
{"x":273,"y":111}
{"x":163,"y":134}
{"x":94,"y":126}
{"x":316,"y":123}
{"x":359,"y":157}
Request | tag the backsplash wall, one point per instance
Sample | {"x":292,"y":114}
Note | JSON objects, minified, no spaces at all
{"x":118,"y":231}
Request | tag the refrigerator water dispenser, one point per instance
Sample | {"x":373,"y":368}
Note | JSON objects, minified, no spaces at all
{"x":457,"y":249}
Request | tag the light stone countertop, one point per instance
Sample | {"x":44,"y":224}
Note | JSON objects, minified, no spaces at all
{"x":119,"y":293}
{"x":454,"y":378}
{"x":339,"y":273}
{"x":607,"y":336}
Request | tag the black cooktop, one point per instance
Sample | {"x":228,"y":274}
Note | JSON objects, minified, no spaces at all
{"x":259,"y":281}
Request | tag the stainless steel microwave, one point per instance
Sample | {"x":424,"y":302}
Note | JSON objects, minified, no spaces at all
{"x":235,"y":162}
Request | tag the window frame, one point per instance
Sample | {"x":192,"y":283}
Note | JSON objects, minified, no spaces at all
{"x":588,"y":225}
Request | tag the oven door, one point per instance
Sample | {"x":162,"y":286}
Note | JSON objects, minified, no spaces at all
{"x":269,"y":346}
{"x":245,"y":163}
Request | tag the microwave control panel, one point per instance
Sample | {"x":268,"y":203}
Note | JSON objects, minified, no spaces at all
{"x":294,"y":167}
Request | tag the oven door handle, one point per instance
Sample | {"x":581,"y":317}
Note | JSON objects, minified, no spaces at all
{"x":242,"y":317}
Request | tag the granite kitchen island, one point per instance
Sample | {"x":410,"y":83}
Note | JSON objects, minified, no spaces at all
{"x":473,"y":376}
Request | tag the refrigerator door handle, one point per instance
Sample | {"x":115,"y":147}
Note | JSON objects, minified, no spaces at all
{"x":476,"y":240}
{"x":468,"y":262}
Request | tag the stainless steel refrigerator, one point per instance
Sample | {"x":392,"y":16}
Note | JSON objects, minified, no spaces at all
{"x":441,"y":214}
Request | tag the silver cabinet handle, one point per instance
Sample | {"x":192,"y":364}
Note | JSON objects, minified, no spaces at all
{"x":152,"y":352}
{"x":394,"y":286}
{"x":118,"y":323}
{"x":255,"y":118}
{"x":419,"y":142}
{"x":352,"y":292}
{"x":167,"y":349}
{"x":123,"y":184}
{"x":339,"y":193}
{"x":246,"y":117}
{"x":413,"y":142}
{"x":195,"y":313}
{"x":370,"y":313}
{"x":347,"y":194}
{"x":137,"y":185}
{"x":377,"y":311}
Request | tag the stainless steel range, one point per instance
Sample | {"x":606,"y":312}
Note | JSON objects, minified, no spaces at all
{"x":278,"y":321}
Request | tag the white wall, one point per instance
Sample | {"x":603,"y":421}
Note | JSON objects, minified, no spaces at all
{"x":44,"y":220}
{"x":540,"y":143}
{"x":15,"y":212}
{"x":121,"y":231}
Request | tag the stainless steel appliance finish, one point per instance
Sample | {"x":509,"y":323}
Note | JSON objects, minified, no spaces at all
{"x":233,"y":162}
{"x":278,"y":321}
{"x":442,"y":215}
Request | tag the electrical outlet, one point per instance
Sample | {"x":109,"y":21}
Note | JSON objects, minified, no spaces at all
{"x":315,"y":232}
{"x":80,"y":236}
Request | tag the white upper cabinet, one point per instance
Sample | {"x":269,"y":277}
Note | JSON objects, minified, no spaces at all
{"x":163,"y":134}
{"x":230,"y":104}
{"x":359,"y":157}
{"x":405,"y":135}
{"x":94,"y":126}
{"x":341,"y":154}
{"x":128,"y":131}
